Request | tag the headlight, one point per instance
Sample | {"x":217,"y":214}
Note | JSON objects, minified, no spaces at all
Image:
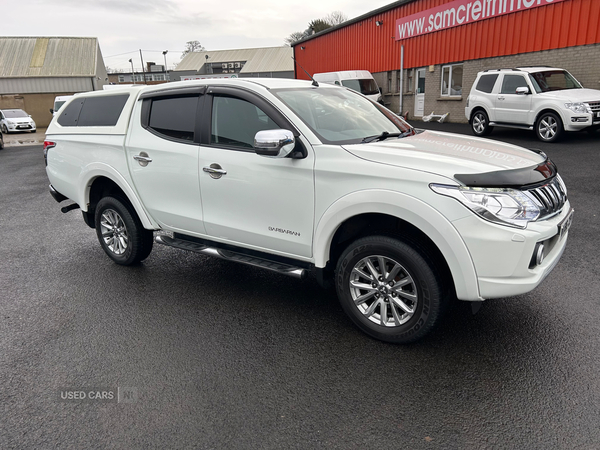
{"x":503,"y":206}
{"x":578,"y":107}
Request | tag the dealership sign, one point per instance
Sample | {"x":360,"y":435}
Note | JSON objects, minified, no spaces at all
{"x":461,"y":12}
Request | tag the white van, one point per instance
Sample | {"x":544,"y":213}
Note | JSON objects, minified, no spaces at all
{"x":359,"y":80}
{"x":58,"y":102}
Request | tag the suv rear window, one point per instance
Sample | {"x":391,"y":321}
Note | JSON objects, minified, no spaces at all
{"x":93,"y":111}
{"x":486,"y":83}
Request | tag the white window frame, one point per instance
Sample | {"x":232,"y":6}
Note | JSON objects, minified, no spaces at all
{"x":450,"y":68}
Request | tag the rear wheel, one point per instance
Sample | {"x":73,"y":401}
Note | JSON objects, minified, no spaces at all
{"x":390,"y":290}
{"x":480,"y":124}
{"x":121,"y":233}
{"x":549,"y":127}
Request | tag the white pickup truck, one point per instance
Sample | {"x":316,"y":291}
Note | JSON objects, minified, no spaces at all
{"x":298,"y":177}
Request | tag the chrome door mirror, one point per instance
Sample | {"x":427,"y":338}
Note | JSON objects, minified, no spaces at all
{"x":274,"y":143}
{"x":523,"y":90}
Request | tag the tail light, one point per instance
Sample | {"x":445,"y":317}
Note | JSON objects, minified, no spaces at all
{"x":47,"y":146}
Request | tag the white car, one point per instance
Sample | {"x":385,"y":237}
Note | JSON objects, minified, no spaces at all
{"x":296,"y":177}
{"x":545,"y":99}
{"x":13,"y":120}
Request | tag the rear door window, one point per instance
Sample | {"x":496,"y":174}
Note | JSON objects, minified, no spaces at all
{"x":174,"y":117}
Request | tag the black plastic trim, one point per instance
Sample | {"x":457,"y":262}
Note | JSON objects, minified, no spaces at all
{"x":245,"y":251}
{"x":195,"y":90}
{"x":56,"y":195}
{"x":516,"y":178}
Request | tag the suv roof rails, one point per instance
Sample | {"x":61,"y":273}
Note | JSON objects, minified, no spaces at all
{"x":536,"y":65}
{"x":502,"y":68}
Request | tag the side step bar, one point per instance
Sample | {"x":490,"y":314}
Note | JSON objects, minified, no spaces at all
{"x":228,"y":255}
{"x":510,"y":125}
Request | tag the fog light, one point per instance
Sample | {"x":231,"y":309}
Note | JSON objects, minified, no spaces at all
{"x":538,"y":255}
{"x":579,"y":119}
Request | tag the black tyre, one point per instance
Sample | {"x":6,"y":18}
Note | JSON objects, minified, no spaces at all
{"x":121,"y":233}
{"x":1,"y":141}
{"x":390,"y":290}
{"x":549,"y":127}
{"x":480,"y":123}
{"x":4,"y":129}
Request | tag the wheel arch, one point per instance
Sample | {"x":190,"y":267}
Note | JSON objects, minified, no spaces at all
{"x":476,"y":109}
{"x":99,"y":184}
{"x":549,"y":109}
{"x":357,"y":215}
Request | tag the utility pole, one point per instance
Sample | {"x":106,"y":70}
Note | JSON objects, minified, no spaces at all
{"x":132,"y":71}
{"x":143,"y":70}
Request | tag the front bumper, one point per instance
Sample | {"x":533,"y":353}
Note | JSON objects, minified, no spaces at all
{"x":576,"y":122}
{"x":504,"y":257}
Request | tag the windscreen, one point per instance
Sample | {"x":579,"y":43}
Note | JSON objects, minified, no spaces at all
{"x":14,"y":113}
{"x":340,"y":116}
{"x":366,"y":86}
{"x":553,"y":80}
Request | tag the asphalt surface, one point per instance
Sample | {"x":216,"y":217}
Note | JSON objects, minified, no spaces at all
{"x":211,"y":354}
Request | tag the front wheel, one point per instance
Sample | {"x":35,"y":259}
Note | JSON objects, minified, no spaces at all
{"x":390,"y":290}
{"x":4,"y":129}
{"x":121,"y":233}
{"x":549,"y":127}
{"x":480,"y":124}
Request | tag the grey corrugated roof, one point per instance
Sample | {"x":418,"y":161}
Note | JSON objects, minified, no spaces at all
{"x":47,"y":56}
{"x":268,"y":59}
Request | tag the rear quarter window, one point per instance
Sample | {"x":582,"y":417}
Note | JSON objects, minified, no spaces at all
{"x":486,"y":83}
{"x":101,"y":111}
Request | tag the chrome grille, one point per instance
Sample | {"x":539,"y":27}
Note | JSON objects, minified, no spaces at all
{"x":550,"y":198}
{"x":594,"y":106}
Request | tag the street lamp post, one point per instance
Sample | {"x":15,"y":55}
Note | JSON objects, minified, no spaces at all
{"x":132,"y":72}
{"x":166,"y":71}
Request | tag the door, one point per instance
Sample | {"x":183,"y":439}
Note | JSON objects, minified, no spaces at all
{"x":420,"y":93}
{"x":258,"y":202}
{"x":163,"y":161}
{"x":510,"y":106}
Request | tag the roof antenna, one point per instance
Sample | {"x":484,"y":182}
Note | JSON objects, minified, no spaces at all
{"x":314,"y":82}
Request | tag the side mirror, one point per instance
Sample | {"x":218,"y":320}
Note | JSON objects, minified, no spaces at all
{"x":274,"y":143}
{"x":51,"y":111}
{"x":523,"y":91}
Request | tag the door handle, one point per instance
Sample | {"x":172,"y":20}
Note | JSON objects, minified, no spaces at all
{"x":143,"y":159}
{"x":501,"y":98}
{"x":215,"y":171}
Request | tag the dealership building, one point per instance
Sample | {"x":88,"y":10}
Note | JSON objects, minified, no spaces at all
{"x":425,"y":54}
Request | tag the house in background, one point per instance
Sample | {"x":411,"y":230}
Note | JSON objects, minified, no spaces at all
{"x":34,"y":70}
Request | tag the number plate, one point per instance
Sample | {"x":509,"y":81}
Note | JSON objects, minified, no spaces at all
{"x":564,"y":226}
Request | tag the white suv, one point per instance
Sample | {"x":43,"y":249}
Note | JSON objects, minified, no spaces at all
{"x":549,"y":100}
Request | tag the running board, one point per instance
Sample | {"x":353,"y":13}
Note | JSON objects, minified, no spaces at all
{"x":228,"y":255}
{"x":509,"y":125}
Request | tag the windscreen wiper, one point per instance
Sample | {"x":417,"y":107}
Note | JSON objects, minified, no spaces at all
{"x":383,"y":136}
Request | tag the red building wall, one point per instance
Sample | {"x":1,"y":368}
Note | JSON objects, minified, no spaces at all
{"x":366,"y":46}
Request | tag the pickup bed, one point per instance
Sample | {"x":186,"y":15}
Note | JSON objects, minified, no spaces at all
{"x":297,"y":178}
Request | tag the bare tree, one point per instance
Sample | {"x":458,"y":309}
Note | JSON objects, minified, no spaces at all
{"x":192,"y":46}
{"x":109,"y":70}
{"x":317,"y":25}
{"x":335,"y":18}
{"x":295,"y":36}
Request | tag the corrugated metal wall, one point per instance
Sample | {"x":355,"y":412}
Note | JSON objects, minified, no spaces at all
{"x":364,"y":45}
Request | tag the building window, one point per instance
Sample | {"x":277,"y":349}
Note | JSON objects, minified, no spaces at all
{"x":121,"y":78}
{"x":148,"y":77}
{"x":138,"y":78}
{"x":452,"y":79}
{"x":159,"y":77}
{"x":409,"y":79}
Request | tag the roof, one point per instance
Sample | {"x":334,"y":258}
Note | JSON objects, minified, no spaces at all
{"x":267,"y":59}
{"x":22,"y":57}
{"x":368,"y":15}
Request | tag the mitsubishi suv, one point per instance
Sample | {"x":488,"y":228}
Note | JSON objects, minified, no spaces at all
{"x":547,"y":100}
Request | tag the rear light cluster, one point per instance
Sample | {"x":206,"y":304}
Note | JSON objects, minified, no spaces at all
{"x":47,"y":146}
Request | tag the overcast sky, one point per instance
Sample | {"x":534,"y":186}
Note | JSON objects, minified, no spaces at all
{"x":124,"y":26}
